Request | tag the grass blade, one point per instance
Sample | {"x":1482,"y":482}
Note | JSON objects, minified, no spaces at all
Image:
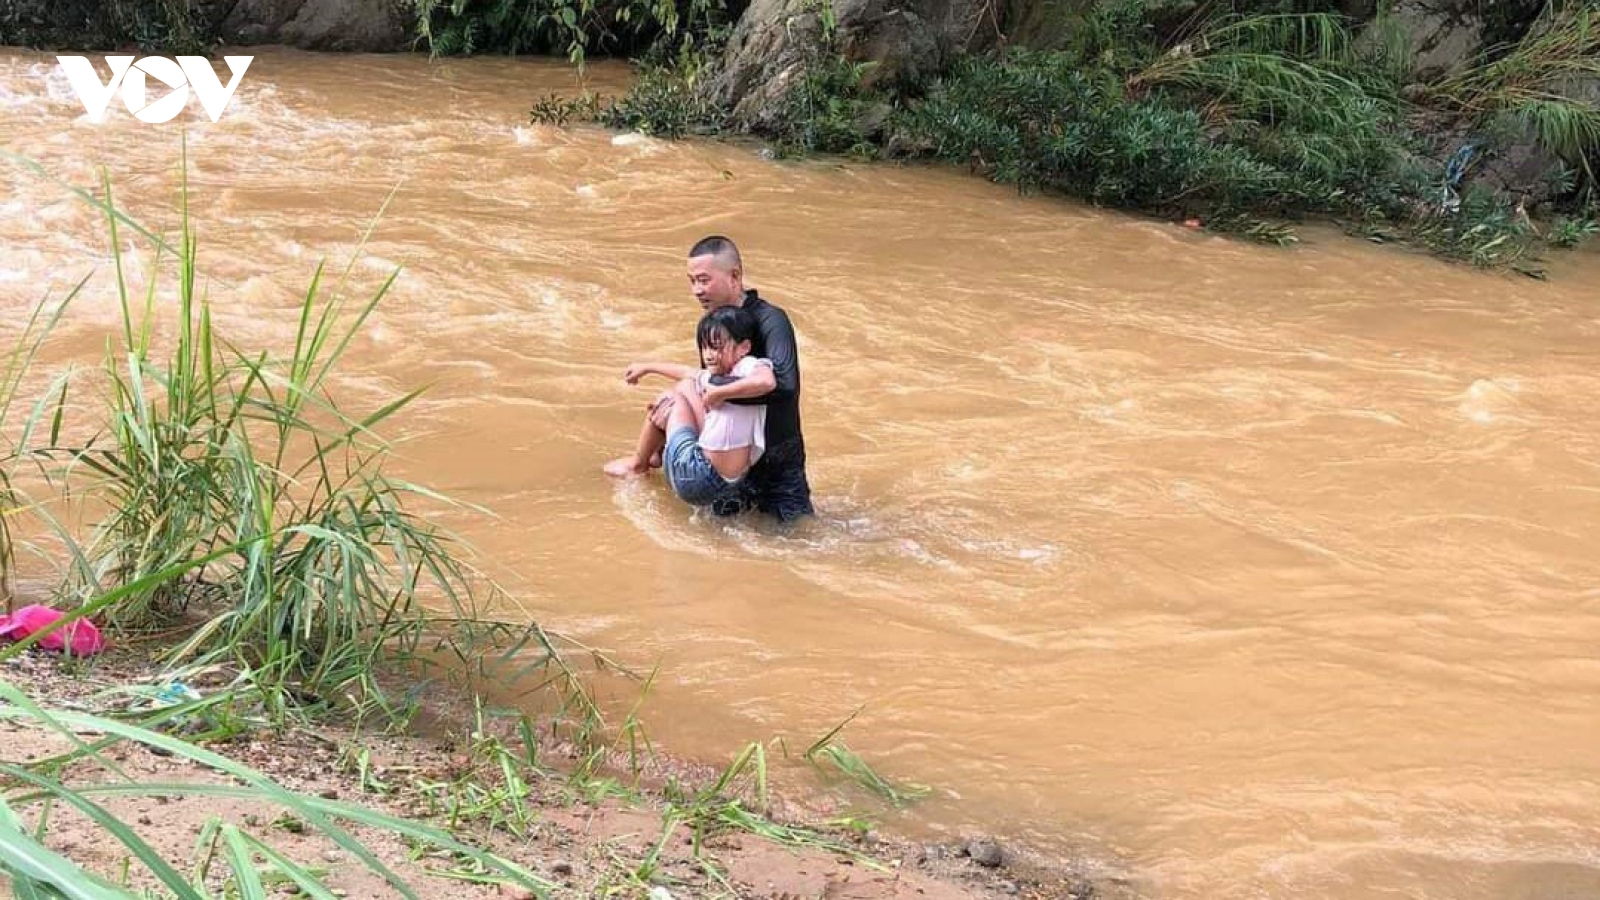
{"x":36,"y":864}
{"x":153,"y":861}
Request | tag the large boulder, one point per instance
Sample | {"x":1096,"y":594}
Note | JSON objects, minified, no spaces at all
{"x":253,"y":21}
{"x":377,"y":26}
{"x":1521,"y":169}
{"x":906,"y":40}
{"x":1521,"y":166}
{"x":1444,"y":35}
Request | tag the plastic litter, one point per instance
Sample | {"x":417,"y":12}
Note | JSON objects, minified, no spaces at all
{"x":1454,"y":171}
{"x":79,"y":637}
{"x":175,"y":693}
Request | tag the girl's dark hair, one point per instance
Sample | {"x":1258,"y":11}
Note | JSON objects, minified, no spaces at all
{"x":725,"y":323}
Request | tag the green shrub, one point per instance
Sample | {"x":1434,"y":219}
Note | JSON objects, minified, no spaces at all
{"x":575,"y":28}
{"x":662,"y":102}
{"x":156,"y":26}
{"x":827,"y":110}
{"x":1569,"y":233}
{"x":1270,"y":115}
{"x":1486,"y":230}
{"x":1037,"y":121}
{"x":302,"y":564}
{"x":1534,"y":84}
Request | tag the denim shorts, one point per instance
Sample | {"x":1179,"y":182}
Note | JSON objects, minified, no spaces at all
{"x":691,"y":475}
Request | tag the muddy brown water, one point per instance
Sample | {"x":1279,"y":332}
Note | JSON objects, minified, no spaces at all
{"x":1239,"y":571}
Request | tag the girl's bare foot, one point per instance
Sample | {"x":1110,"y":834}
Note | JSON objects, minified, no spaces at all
{"x":625,"y":467}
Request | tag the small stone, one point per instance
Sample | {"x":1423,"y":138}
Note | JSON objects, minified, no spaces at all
{"x":333,"y":856}
{"x":985,"y":852}
{"x":1010,"y":887}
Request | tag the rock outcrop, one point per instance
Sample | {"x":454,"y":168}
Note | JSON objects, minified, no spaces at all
{"x":376,"y":26}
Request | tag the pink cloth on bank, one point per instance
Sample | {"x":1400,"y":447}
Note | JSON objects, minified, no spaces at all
{"x":80,"y":637}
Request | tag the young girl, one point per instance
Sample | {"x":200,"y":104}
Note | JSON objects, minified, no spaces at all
{"x":711,"y":444}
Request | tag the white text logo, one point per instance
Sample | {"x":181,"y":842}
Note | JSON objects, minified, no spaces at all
{"x":133,"y":78}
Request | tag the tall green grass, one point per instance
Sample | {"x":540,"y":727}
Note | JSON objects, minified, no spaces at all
{"x":208,"y":445}
{"x":1537,"y":83}
{"x":1268,"y":68}
{"x":18,"y":360}
{"x":304,"y":567}
{"x":234,"y":503}
{"x":850,"y":764}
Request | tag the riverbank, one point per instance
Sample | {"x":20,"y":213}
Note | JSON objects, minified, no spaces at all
{"x":1472,"y":134}
{"x":1189,"y":621}
{"x":590,"y":833}
{"x":272,"y":578}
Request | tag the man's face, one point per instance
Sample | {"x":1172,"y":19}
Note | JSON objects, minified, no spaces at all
{"x":712,"y":284}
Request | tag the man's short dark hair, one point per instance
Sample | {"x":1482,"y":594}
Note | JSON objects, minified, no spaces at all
{"x":719,"y":246}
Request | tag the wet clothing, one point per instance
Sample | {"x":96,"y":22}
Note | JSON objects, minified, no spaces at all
{"x":731,"y":426}
{"x":777,"y":484}
{"x":775,"y":341}
{"x":692,"y":476}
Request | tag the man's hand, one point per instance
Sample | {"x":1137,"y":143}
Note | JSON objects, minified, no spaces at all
{"x":635,"y":371}
{"x":758,"y":383}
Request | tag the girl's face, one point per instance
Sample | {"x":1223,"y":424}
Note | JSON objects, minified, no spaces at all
{"x":721,"y":353}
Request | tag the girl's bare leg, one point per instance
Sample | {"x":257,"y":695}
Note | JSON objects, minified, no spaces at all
{"x":687,"y":408}
{"x":652,"y":439}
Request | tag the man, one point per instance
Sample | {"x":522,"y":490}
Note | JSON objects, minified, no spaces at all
{"x":777,"y":483}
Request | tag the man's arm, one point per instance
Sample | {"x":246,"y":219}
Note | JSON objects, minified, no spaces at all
{"x":757,"y":384}
{"x":777,"y":335}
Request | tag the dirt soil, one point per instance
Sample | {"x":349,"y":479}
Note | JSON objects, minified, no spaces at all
{"x":586,"y":844}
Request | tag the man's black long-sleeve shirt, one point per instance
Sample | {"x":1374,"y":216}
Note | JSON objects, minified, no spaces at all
{"x":775,"y":341}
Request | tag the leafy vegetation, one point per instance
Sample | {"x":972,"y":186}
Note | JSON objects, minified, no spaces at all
{"x":1245,"y":116}
{"x":241,"y":510}
{"x":166,"y":26}
{"x":1536,"y":82}
{"x":251,"y":864}
{"x":196,"y":514}
{"x":300,"y":564}
{"x":575,"y":28}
